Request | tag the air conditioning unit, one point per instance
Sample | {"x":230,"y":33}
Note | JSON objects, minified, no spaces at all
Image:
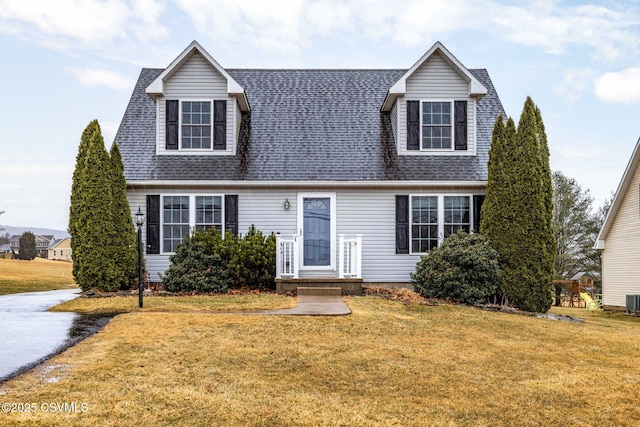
{"x":633,"y":303}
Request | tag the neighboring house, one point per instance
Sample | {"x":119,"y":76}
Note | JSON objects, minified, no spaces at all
{"x":619,"y":239}
{"x":14,"y":243}
{"x":360,"y":172}
{"x":60,"y":249}
{"x":42,"y":244}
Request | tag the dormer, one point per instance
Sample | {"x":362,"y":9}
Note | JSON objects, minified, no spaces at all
{"x":198,"y":106}
{"x":433,"y":106}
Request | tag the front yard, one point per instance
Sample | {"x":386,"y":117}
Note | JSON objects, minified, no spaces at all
{"x":36,"y":275}
{"x":386,"y":364}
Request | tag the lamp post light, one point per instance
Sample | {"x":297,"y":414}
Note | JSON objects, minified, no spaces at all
{"x":139,"y":221}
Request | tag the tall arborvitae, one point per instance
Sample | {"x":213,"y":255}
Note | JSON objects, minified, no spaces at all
{"x":77,"y":189}
{"x":517,"y":219}
{"x":124,"y":241}
{"x":97,"y":266}
{"x":497,"y":216}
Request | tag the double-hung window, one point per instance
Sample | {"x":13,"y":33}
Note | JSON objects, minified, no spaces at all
{"x":175,"y":221}
{"x":208,"y":212}
{"x":436,"y":217}
{"x":437,"y":125}
{"x":196,"y":125}
{"x":182,"y":213}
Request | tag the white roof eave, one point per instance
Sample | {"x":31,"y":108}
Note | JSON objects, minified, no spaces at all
{"x":156,"y":88}
{"x":399,"y":88}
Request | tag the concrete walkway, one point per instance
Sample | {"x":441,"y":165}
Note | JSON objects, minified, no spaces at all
{"x":316,"y":305}
{"x":311,"y":302}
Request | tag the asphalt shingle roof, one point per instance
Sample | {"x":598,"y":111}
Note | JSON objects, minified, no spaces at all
{"x":305,"y":125}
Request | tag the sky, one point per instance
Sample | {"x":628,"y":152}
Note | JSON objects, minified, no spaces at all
{"x":64,"y":63}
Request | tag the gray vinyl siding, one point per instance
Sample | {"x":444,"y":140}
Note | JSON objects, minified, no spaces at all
{"x":621,"y":256}
{"x":196,"y":79}
{"x":368,"y":212}
{"x":437,"y":80}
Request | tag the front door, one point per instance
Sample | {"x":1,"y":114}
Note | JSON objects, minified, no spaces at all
{"x":317,"y":228}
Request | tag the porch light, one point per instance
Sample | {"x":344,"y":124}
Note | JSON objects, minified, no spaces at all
{"x":139,"y":218}
{"x":286,"y":205}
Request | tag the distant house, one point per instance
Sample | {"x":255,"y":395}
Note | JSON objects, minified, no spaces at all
{"x":360,"y":172}
{"x":42,"y":244}
{"x":60,"y":249}
{"x":14,"y":243}
{"x":619,"y":239}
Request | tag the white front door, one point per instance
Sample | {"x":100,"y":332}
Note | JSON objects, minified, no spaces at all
{"x":316,"y":222}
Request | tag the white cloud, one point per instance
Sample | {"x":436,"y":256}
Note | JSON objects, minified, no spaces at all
{"x":574,"y":83}
{"x":62,"y":23}
{"x":99,"y":77}
{"x":289,"y":25}
{"x":621,"y":87}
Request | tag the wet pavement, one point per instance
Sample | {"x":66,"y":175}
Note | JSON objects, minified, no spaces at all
{"x":29,"y":334}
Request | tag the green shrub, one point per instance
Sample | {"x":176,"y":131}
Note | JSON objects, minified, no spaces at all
{"x":205,"y":262}
{"x":253,"y":263}
{"x":463,"y":269}
{"x":197,"y":265}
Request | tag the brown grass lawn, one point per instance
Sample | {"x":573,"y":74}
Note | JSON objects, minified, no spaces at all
{"x":387,"y":364}
{"x":35,"y":275}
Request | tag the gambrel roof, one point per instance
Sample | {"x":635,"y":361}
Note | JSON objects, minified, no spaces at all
{"x":305,"y":125}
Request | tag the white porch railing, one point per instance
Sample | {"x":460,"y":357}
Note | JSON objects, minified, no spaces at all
{"x":350,"y":257}
{"x":288,"y":255}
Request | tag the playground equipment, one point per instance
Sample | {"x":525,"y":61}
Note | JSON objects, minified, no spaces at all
{"x":578,"y":297}
{"x":590,"y":302}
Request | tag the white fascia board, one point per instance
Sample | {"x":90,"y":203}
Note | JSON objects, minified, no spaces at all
{"x":619,"y":196}
{"x":306,"y":184}
{"x":156,"y":88}
{"x":476,"y":89}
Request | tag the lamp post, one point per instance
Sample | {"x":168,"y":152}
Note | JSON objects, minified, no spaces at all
{"x":139,"y":221}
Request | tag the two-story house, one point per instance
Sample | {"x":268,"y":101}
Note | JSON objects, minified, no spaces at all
{"x":359,"y":172}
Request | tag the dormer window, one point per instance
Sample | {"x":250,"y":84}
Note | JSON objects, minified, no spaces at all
{"x":436,"y":125}
{"x":191,"y":126}
{"x":196,"y":125}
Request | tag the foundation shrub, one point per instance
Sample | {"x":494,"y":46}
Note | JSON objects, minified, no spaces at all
{"x":463,"y":269}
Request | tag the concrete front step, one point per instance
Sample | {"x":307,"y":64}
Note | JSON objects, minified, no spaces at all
{"x":348,"y":286}
{"x":319,"y":291}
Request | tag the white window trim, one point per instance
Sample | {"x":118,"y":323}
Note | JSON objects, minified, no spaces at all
{"x":201,"y":150}
{"x":192,"y":214}
{"x":452,"y":126}
{"x":472,"y":131}
{"x":161,"y":129}
{"x":441,"y":197}
{"x":300,"y":223}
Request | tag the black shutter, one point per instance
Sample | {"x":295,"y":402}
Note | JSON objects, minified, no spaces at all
{"x":173,"y":111}
{"x":478,"y":200}
{"x":153,"y":224}
{"x":220,"y":125}
{"x":231,"y":213}
{"x":413,"y":125}
{"x":460,"y":113}
{"x":402,"y":224}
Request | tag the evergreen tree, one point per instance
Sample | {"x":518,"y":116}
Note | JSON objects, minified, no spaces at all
{"x":124,"y":240}
{"x":94,"y":220}
{"x":517,"y":219}
{"x":76,"y":227}
{"x":27,"y":246}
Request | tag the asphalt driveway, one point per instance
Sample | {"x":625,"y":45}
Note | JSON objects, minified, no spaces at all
{"x":30,"y":334}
